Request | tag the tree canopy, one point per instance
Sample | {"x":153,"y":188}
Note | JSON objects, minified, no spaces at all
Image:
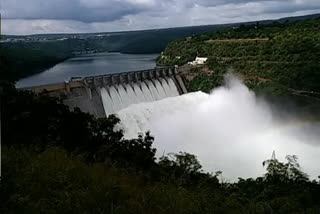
{"x":271,"y":58}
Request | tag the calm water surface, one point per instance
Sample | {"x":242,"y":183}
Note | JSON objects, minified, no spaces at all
{"x":90,"y":65}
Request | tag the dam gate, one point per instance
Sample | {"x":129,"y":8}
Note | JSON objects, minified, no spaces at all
{"x":107,"y":94}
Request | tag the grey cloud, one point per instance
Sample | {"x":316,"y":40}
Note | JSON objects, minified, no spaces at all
{"x":110,"y":10}
{"x":294,"y":6}
{"x":54,"y":16}
{"x":214,"y":3}
{"x":102,"y":10}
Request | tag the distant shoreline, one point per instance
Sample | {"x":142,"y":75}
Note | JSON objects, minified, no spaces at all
{"x":90,"y":65}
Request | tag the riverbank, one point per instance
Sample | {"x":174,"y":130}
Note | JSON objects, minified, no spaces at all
{"x":91,"y":65}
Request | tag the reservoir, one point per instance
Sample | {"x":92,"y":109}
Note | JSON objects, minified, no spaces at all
{"x":91,"y":65}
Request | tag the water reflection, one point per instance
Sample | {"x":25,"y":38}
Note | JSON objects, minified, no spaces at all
{"x":89,"y":65}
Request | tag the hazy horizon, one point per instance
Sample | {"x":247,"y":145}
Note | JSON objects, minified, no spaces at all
{"x":150,"y":29}
{"x":77,"y":16}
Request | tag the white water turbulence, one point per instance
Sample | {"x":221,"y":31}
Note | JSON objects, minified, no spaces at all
{"x":229,"y":130}
{"x":115,"y":98}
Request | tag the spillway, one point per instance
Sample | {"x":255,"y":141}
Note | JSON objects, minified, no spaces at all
{"x":231,"y":130}
{"x":138,"y":118}
{"x":117,"y":97}
{"x":107,"y":94}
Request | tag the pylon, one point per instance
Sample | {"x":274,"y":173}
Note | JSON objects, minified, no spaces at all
{"x":273,"y":157}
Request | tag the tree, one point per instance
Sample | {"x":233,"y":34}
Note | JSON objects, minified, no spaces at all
{"x":284,"y":172}
{"x":187,"y":163}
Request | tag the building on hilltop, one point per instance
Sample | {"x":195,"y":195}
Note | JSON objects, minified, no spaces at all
{"x":199,"y":61}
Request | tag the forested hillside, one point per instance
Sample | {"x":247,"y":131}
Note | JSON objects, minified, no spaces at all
{"x":57,"y":160}
{"x":28,"y":55}
{"x":25,"y":59}
{"x":276,"y":58}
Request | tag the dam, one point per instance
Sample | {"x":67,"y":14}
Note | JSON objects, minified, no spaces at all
{"x":107,"y":94}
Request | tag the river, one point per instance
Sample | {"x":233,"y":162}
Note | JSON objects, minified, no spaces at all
{"x":90,"y":65}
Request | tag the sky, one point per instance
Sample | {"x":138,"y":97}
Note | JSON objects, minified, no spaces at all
{"x":22,"y":17}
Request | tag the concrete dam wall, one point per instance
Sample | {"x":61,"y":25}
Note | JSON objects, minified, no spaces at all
{"x":107,"y":94}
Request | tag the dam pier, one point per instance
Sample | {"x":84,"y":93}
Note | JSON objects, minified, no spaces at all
{"x":106,"y":94}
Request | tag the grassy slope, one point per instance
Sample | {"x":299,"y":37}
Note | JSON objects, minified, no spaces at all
{"x":271,"y":57}
{"x":57,"y":161}
{"x":28,"y":58}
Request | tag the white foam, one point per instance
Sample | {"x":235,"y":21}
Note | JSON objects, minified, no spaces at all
{"x":117,"y":97}
{"x":229,"y":130}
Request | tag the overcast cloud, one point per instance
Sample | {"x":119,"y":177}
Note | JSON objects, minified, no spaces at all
{"x":78,"y":16}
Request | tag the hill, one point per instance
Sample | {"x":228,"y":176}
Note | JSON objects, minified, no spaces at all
{"x":277,"y":58}
{"x":57,"y":160}
{"x":28,"y":55}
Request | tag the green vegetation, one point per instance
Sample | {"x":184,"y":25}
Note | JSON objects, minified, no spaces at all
{"x":27,"y":58}
{"x":35,"y":54}
{"x":54,"y":181}
{"x":59,"y":161}
{"x":271,"y":57}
